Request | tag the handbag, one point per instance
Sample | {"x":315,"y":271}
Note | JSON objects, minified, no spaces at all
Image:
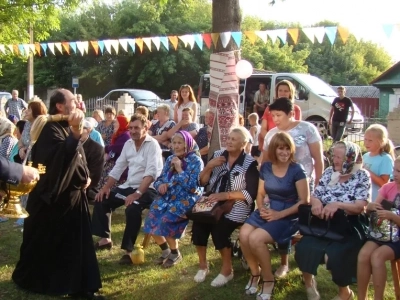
{"x":383,"y":230}
{"x":211,"y":212}
{"x":336,"y":228}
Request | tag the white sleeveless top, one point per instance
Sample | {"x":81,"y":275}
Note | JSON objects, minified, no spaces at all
{"x":180,"y":108}
{"x":258,"y":130}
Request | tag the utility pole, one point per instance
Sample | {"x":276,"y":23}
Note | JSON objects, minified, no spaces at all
{"x":29,"y":89}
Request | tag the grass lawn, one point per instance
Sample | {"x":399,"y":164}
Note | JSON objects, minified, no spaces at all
{"x":151,"y":282}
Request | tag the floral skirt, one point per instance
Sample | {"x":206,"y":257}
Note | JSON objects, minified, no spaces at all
{"x":108,"y":166}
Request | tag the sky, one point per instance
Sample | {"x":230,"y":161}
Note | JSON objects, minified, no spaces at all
{"x":363,"y":18}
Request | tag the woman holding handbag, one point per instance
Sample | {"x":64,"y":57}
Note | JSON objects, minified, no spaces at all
{"x":232,"y":176}
{"x":282,"y":188}
{"x":345,"y":186}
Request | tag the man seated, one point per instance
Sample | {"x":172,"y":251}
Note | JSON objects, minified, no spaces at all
{"x":142,"y":155}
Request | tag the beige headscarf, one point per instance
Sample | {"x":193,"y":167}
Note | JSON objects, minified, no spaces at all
{"x":6,"y":127}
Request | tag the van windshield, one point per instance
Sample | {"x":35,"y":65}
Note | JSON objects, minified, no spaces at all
{"x":316,"y":85}
{"x":205,"y":87}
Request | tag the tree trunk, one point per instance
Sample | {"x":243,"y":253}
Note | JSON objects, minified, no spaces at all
{"x":226,"y":16}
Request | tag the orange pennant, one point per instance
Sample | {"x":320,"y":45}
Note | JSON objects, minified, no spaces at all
{"x":343,"y":33}
{"x":207,"y":39}
{"x":95,"y":45}
{"x":16,"y":49}
{"x":294,"y":34}
{"x":65,"y":46}
{"x":139,"y":43}
{"x":174,"y":41}
{"x":251,"y":35}
{"x":215,"y":37}
{"x":37,"y":49}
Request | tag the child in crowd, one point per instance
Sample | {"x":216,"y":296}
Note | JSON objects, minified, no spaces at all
{"x":254,"y":132}
{"x":379,"y":158}
{"x":374,"y":254}
{"x":247,"y":149}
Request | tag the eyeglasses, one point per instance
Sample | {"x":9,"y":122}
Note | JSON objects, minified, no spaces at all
{"x":185,"y":85}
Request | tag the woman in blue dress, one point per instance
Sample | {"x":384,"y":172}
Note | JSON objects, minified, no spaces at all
{"x":179,"y":188}
{"x":282,"y":188}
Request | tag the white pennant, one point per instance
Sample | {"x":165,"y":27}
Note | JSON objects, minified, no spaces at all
{"x":11,"y":48}
{"x":184,"y":39}
{"x":59,"y":47}
{"x":263,"y":35}
{"x":86,"y":46}
{"x":124,"y":44}
{"x":309,"y":32}
{"x":51,"y":47}
{"x":147,"y":41}
{"x":80,"y":47}
{"x":2,"y":49}
{"x":107,"y":44}
{"x":225,"y":38}
{"x":319,"y":33}
{"x":115,"y":45}
{"x":26,"y":48}
{"x":273,"y":35}
{"x":156,"y":42}
{"x":282,"y":35}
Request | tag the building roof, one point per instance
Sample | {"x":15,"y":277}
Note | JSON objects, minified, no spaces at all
{"x":384,"y":74}
{"x":365,"y":91}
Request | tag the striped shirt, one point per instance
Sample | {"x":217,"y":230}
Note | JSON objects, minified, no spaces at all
{"x":243,"y":176}
{"x":15,"y":107}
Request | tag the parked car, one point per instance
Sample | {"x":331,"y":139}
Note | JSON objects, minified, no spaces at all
{"x":141,"y":97}
{"x":6,"y":95}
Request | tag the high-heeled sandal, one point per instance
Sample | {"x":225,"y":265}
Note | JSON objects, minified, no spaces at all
{"x":249,"y":288}
{"x":264,"y":296}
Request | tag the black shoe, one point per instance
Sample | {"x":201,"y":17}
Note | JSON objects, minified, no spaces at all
{"x":125,"y":260}
{"x":107,"y":246}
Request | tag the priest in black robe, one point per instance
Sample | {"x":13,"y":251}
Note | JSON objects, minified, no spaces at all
{"x":57,"y":255}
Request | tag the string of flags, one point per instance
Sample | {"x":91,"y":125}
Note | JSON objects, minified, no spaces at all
{"x":113,"y":46}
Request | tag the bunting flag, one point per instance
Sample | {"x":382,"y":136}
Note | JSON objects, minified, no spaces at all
{"x":290,"y":35}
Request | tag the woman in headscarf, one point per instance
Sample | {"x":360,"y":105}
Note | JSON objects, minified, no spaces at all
{"x":346,"y":186}
{"x":7,"y":140}
{"x":179,"y":188}
{"x":114,"y":149}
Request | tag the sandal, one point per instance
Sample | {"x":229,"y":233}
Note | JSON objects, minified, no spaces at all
{"x":249,"y":288}
{"x":265,"y":296}
{"x":172,"y":262}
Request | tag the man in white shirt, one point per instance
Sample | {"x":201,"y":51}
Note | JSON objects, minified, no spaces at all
{"x":142,"y":155}
{"x":172,"y":102}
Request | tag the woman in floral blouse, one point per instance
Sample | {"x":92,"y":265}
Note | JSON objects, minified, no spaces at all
{"x":179,"y":188}
{"x":106,"y":127}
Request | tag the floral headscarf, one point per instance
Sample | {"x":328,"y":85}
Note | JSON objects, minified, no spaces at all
{"x":353,"y":161}
{"x":6,"y":127}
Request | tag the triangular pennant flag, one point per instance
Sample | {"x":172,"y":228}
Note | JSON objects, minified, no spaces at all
{"x":21,"y":49}
{"x":16,"y":49}
{"x":86,"y":46}
{"x":80,"y":47}
{"x":282,"y":35}
{"x":139,"y":43}
{"x":51,"y":48}
{"x":331,"y":33}
{"x":115,"y":45}
{"x":65,"y":47}
{"x":131,"y":42}
{"x":59,"y":47}
{"x":237,"y":37}
{"x":262,"y":34}
{"x":199,"y":41}
{"x":319,"y":33}
{"x":309,"y":32}
{"x":173,"y":40}
{"x":156,"y":42}
{"x":294,"y":34}
{"x":147,"y":42}
{"x":273,"y":35}
{"x":26,"y":49}
{"x":101,"y":46}
{"x":2,"y":49}
{"x":388,"y":29}
{"x":214,"y":37}
{"x":124,"y":44}
{"x":44,"y":47}
{"x":343,"y":33}
{"x":184,"y":39}
{"x":37,"y":49}
{"x":251,"y":35}
{"x":32,"y":48}
{"x":95,"y":46}
{"x":398,"y":27}
{"x":225,"y":38}
{"x":73,"y":46}
{"x":11,"y":48}
{"x":190,"y":40}
{"x":207,"y":39}
{"x":164,"y":41}
{"x":107,"y":44}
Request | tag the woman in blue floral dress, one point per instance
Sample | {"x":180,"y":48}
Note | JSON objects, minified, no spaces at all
{"x":178,"y":188}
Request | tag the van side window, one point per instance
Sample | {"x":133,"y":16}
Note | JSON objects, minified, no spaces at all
{"x":300,"y":90}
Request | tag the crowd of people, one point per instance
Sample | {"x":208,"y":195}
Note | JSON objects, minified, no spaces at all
{"x":264,"y":175}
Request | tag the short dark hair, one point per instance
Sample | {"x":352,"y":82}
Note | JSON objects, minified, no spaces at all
{"x":38,"y":108}
{"x":282,"y":104}
{"x":139,"y":117}
{"x":58,"y":97}
{"x":20,"y":125}
{"x":110,"y":110}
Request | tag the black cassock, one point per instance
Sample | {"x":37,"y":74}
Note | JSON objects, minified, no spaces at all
{"x":57,"y":254}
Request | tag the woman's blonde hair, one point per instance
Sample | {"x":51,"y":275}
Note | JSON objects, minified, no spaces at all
{"x":164,"y":107}
{"x":291,"y":87}
{"x":383,"y":136}
{"x":278,"y":140}
{"x":99,"y":112}
{"x":192,"y":97}
{"x":142,"y":110}
{"x":243,"y":132}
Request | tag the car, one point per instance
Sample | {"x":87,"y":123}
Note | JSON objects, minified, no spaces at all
{"x":142,"y":98}
{"x":6,"y":95}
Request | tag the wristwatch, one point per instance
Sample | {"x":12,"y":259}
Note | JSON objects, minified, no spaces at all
{"x":139,"y":192}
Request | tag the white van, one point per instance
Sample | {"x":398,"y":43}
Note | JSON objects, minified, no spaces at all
{"x":313,"y":95}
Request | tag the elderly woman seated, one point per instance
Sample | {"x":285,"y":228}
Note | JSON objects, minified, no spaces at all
{"x":233,"y":176}
{"x":345,"y":186}
{"x":178,"y":188}
{"x":282,"y":188}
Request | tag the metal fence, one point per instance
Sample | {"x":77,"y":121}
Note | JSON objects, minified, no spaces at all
{"x":98,"y":103}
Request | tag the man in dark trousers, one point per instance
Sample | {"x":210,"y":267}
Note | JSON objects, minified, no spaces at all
{"x":339,"y":113}
{"x":57,"y":255}
{"x":14,"y":173}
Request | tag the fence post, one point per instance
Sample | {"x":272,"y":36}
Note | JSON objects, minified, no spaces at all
{"x":394,"y":125}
